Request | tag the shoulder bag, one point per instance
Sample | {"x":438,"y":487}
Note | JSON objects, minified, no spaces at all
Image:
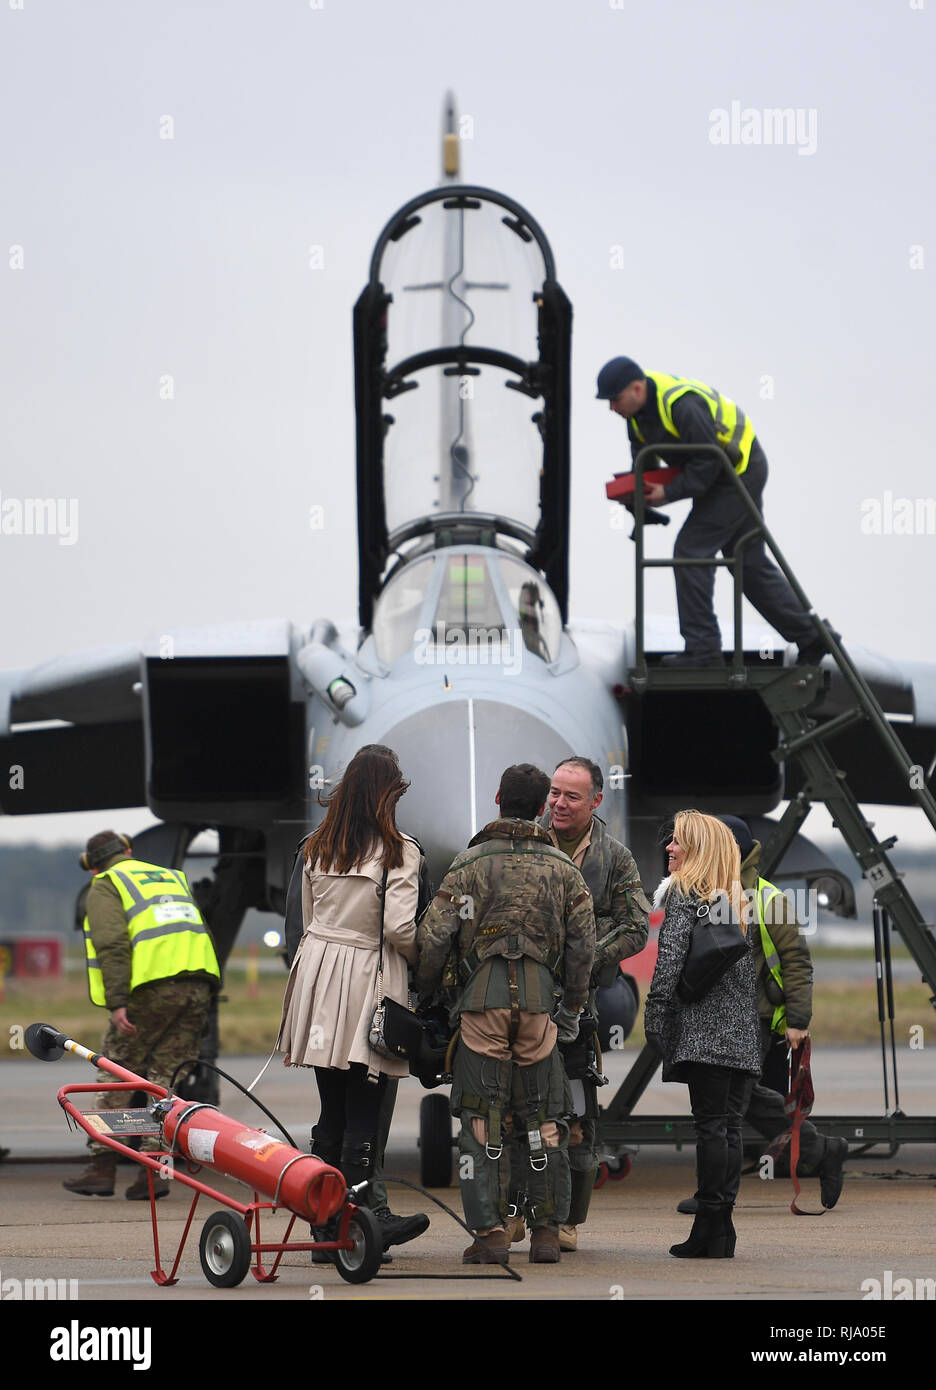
{"x":714,"y":947}
{"x":395,"y":1030}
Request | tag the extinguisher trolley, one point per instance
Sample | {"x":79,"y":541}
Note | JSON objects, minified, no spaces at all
{"x":196,"y":1136}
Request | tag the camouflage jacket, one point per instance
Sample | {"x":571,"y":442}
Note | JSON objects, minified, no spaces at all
{"x":510,"y":893}
{"x":621,"y":908}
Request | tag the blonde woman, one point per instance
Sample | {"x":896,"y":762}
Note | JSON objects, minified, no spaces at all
{"x":712,"y":1044}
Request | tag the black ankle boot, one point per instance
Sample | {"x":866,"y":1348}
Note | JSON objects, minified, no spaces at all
{"x":707,"y":1239}
{"x":731,"y":1235}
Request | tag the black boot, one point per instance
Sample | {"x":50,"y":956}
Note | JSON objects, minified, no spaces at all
{"x":328,"y":1151}
{"x":357,"y":1159}
{"x":397,"y":1230}
{"x":731,"y":1235}
{"x":707,"y":1239}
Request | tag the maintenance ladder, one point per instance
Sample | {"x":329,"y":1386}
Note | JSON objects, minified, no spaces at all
{"x":790,"y":695}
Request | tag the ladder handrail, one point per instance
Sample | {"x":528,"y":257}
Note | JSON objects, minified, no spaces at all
{"x":852,"y":676}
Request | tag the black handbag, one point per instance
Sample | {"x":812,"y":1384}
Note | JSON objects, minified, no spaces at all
{"x":395,"y":1030}
{"x":716,"y":944}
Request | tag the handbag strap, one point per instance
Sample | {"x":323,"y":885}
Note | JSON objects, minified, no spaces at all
{"x":383,"y":905}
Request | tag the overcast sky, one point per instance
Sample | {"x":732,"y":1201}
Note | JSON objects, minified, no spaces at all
{"x":796,"y":277}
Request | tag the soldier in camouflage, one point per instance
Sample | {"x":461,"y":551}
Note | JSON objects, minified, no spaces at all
{"x":511,"y":924}
{"x":621,"y":925}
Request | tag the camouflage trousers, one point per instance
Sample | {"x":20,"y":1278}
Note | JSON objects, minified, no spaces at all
{"x":582,"y":1152}
{"x":169,"y":1017}
{"x":505,"y":1107}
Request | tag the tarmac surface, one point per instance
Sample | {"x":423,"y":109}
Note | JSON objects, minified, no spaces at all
{"x":102,"y":1247}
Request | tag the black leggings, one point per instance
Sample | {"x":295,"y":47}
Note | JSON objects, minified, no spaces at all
{"x":350,"y":1104}
{"x":719,"y":1097}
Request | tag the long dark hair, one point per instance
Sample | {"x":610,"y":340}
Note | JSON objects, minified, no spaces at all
{"x":361,"y":814}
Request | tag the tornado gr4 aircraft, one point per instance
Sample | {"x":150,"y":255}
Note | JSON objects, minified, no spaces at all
{"x":463,"y":658}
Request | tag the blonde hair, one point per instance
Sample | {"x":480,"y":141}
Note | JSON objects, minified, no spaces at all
{"x":711,"y":862}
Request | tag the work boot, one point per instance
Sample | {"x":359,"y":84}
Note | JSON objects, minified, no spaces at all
{"x":831,"y":1171}
{"x":811,"y":653}
{"x":698,"y":658}
{"x":138,"y":1191}
{"x":397,"y":1230}
{"x":97,"y":1180}
{"x":516,"y":1229}
{"x":492,"y":1249}
{"x":708,"y":1238}
{"x":688,"y":1206}
{"x":568,"y":1238}
{"x":544,"y":1246}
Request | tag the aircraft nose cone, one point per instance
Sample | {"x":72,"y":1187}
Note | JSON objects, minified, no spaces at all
{"x":453,"y":755}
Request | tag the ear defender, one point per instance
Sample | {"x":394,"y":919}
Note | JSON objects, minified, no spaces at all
{"x":104,"y":851}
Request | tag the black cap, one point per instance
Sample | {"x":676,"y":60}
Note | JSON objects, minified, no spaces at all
{"x":615,"y":375}
{"x":742,"y":833}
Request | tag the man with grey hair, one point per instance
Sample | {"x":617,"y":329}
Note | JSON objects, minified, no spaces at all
{"x":621,"y":925}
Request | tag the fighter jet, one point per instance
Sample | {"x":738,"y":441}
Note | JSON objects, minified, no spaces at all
{"x":463,"y":656}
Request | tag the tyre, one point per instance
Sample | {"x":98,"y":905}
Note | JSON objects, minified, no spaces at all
{"x":224,"y":1249}
{"x":435,"y":1142}
{"x":361,"y":1263}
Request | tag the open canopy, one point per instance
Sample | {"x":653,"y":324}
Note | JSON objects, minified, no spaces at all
{"x":462,"y":387}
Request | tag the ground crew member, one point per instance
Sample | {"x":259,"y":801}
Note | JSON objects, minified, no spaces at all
{"x":512,"y":921}
{"x":151,"y":962}
{"x":784,"y":1000}
{"x":661,"y":409}
{"x":621,"y":927}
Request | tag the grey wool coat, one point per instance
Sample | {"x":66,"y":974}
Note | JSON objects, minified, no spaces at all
{"x":721,"y":1029}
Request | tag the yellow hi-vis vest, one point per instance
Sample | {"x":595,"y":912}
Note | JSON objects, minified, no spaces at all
{"x":778,"y":1020}
{"x":168,"y":934}
{"x":734,"y":430}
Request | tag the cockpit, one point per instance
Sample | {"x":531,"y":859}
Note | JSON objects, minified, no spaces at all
{"x":461,"y":344}
{"x":467,"y":599}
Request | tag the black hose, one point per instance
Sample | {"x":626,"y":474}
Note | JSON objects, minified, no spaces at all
{"x":199,"y":1062}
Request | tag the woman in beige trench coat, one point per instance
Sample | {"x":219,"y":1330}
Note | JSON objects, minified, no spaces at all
{"x":332,"y":989}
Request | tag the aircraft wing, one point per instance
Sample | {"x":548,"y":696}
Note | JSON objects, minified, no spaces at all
{"x":201,"y":724}
{"x":95,"y":686}
{"x":733,"y":763}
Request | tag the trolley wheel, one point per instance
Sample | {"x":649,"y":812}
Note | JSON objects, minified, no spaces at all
{"x":613,"y":1171}
{"x":224,"y":1249}
{"x":435,"y":1142}
{"x":361,"y":1263}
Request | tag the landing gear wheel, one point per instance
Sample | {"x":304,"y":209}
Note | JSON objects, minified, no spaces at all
{"x":361,"y":1263}
{"x":224,"y":1249}
{"x":435,"y":1142}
